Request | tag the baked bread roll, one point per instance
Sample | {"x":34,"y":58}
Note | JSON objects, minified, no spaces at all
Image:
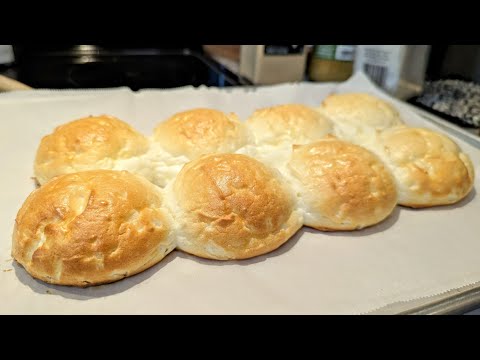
{"x":358,"y":116}
{"x":430,"y":169}
{"x":190,"y":134}
{"x":198,"y":132}
{"x":231,"y":206}
{"x":91,"y":228}
{"x":342,"y":186}
{"x":277,"y":128}
{"x":95,"y":142}
{"x":292,"y":123}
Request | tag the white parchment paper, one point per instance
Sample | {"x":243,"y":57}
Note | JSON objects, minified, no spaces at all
{"x":413,"y":254}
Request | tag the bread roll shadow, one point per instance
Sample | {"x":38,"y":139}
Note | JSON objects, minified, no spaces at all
{"x":257,"y":259}
{"x":377,"y":228}
{"x":92,"y":292}
{"x":467,"y":199}
{"x":99,"y":291}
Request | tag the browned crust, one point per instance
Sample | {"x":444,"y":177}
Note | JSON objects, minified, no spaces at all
{"x":91,"y":228}
{"x":241,"y":208}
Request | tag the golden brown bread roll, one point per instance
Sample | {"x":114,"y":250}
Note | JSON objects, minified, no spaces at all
{"x":277,"y":128}
{"x":357,"y":116}
{"x":95,"y":142}
{"x":342,"y":186}
{"x":91,"y":228}
{"x":201,"y":131}
{"x":429,"y":168}
{"x":231,"y":206}
{"x":292,"y":123}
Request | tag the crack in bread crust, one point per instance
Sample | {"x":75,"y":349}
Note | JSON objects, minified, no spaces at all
{"x":82,"y":231}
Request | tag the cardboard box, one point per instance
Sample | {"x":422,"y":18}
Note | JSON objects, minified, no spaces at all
{"x":273,"y":64}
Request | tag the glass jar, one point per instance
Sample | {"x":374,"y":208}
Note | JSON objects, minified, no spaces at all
{"x":331,"y":62}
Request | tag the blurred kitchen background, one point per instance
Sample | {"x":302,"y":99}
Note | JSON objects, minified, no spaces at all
{"x":441,"y":79}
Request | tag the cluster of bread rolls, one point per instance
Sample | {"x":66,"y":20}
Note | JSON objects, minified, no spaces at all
{"x":112,"y":202}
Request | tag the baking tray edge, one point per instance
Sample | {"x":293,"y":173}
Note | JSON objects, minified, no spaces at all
{"x":456,"y":301}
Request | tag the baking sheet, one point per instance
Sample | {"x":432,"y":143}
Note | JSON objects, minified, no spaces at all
{"x":413,"y":254}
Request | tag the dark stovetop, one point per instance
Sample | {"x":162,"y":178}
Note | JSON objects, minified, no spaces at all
{"x":93,"y":66}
